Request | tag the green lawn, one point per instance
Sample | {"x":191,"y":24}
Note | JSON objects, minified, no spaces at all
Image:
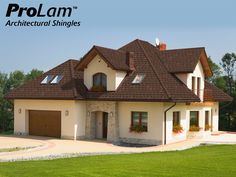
{"x":212,"y":161}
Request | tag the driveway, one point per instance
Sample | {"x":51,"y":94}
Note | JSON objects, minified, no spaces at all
{"x":48,"y":148}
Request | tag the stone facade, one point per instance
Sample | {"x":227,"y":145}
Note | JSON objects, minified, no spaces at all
{"x":113,"y":123}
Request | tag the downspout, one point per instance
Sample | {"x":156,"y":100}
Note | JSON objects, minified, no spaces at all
{"x":165,"y":121}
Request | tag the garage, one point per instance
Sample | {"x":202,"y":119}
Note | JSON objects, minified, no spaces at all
{"x":45,"y":123}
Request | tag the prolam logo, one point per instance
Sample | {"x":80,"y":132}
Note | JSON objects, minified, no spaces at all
{"x":33,"y":12}
{"x":41,"y":11}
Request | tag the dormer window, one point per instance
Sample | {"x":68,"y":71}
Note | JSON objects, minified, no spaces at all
{"x":57,"y":79}
{"x":138,"y":78}
{"x":99,"y":82}
{"x":47,"y":79}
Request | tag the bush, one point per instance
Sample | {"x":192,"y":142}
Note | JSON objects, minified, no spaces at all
{"x":177,"y":128}
{"x":98,"y":88}
{"x":137,"y":129}
{"x":207,"y":127}
{"x":194,"y":128}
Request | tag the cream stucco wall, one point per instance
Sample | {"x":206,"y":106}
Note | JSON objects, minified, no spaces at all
{"x":98,"y":65}
{"x":72,"y":125}
{"x":78,"y":112}
{"x":155,"y":120}
{"x":187,"y":79}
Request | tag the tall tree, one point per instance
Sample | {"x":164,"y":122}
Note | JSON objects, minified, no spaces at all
{"x":228,"y":63}
{"x":216,"y":70}
{"x":34,"y":73}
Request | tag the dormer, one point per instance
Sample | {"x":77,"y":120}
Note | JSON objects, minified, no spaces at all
{"x":104,"y":69}
{"x":190,"y":66}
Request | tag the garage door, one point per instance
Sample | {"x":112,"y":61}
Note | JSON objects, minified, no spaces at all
{"x":45,"y":123}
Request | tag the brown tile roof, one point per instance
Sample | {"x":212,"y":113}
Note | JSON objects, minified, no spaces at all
{"x":70,"y":87}
{"x":114,"y":58}
{"x":212,"y":93}
{"x":159,"y":83}
{"x":185,"y":60}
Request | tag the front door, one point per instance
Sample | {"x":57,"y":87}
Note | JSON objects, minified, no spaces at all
{"x":104,"y":124}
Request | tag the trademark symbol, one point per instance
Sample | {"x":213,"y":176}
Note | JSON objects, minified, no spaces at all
{"x":75,"y":7}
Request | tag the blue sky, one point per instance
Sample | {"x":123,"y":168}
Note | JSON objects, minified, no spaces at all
{"x":180,"y":24}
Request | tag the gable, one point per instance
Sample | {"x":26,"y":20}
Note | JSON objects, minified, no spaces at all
{"x":113,"y":58}
{"x":185,"y":60}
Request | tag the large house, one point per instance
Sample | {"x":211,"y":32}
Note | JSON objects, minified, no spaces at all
{"x":139,"y":93}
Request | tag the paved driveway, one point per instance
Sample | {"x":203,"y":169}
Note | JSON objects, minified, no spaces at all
{"x":47,"y":148}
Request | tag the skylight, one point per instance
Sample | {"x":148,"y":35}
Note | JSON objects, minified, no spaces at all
{"x":47,"y":79}
{"x":57,"y":79}
{"x":138,"y":78}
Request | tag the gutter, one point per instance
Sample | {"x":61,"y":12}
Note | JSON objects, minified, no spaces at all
{"x":165,"y":121}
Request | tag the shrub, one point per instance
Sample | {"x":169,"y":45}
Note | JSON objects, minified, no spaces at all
{"x":137,"y":129}
{"x":207,"y":127}
{"x":194,"y":128}
{"x":98,"y":88}
{"x":177,"y":128}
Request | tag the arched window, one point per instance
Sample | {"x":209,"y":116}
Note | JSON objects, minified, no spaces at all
{"x":99,"y":82}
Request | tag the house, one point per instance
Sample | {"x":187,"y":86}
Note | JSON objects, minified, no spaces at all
{"x":139,"y":93}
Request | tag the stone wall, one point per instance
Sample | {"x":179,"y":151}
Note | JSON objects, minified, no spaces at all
{"x":113,"y":124}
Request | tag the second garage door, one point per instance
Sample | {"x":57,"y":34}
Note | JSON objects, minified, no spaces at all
{"x":45,"y":123}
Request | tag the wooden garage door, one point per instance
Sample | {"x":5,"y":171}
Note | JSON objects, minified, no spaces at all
{"x":45,"y":123}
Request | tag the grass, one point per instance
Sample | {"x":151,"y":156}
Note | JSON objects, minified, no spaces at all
{"x":203,"y":161}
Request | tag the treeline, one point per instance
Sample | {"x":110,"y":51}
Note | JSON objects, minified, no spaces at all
{"x":7,"y":83}
{"x":224,"y":78}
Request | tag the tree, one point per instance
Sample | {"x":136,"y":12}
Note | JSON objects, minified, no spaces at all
{"x":216,"y":70}
{"x":228,"y":63}
{"x":34,"y":73}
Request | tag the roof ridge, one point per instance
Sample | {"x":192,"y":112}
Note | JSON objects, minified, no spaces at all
{"x":116,"y":50}
{"x":73,"y":78}
{"x":157,"y":75}
{"x":190,"y":48}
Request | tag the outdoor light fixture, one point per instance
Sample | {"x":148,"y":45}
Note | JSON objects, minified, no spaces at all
{"x":19,"y":111}
{"x":67,"y":113}
{"x":111,"y":114}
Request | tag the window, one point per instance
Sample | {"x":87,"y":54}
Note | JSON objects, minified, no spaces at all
{"x":138,"y":78}
{"x":198,"y":85}
{"x":100,"y":81}
{"x":176,"y":118}
{"x":139,"y":119}
{"x":57,"y":79}
{"x":194,"y":118}
{"x":47,"y":79}
{"x":193,"y":84}
{"x":206,"y":118}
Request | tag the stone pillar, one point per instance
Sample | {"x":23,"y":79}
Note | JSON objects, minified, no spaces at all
{"x":113,"y":125}
{"x":90,"y":126}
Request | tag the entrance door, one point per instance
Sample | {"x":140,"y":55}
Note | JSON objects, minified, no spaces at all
{"x":104,"y":124}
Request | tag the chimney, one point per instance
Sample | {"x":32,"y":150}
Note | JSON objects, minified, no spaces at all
{"x":130,"y":60}
{"x":161,"y":46}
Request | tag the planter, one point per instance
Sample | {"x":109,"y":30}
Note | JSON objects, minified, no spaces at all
{"x":137,"y":129}
{"x":177,"y":129}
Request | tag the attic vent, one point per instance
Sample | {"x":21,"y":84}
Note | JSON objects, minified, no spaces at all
{"x":57,"y":79}
{"x":138,"y":78}
{"x":47,"y":79}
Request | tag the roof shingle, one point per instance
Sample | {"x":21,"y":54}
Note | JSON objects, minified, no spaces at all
{"x":159,"y":84}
